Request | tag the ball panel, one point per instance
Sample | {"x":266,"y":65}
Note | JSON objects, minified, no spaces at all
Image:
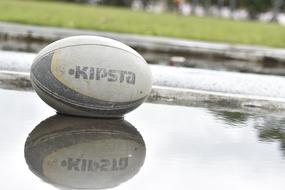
{"x":102,"y":73}
{"x":100,"y":160}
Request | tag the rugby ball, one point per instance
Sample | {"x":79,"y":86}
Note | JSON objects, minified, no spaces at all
{"x":84,"y":153}
{"x":91,"y":76}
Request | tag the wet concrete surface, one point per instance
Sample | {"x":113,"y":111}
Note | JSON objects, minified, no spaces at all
{"x":16,"y":61}
{"x":186,"y":147}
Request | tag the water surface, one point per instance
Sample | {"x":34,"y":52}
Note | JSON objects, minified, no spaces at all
{"x":186,"y":147}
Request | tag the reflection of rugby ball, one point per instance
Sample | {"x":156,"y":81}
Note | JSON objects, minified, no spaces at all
{"x":85,"y":153}
{"x":91,"y":76}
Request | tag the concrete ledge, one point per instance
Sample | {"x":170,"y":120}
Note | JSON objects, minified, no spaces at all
{"x":15,"y":80}
{"x":178,"y":86}
{"x":189,"y":97}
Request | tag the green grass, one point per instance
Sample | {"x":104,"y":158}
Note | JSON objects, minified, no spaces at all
{"x":126,"y":21}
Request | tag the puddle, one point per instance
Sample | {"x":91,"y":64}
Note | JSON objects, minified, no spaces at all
{"x":167,"y":147}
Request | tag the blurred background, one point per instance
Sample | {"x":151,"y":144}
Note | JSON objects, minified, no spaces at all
{"x":262,"y":10}
{"x":231,"y":35}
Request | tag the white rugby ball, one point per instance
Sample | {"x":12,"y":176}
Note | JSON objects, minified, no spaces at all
{"x":91,"y":76}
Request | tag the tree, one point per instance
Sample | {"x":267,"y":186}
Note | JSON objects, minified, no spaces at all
{"x":193,"y":6}
{"x":276,"y":9}
{"x":255,"y":7}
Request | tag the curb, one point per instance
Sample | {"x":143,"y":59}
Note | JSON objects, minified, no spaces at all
{"x":178,"y":86}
